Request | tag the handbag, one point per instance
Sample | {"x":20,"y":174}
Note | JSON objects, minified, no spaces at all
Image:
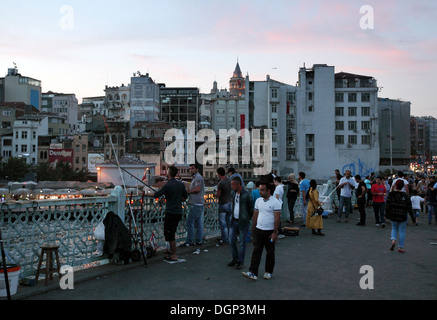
{"x":99,"y":233}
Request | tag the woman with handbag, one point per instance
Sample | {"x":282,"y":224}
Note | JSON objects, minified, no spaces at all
{"x":397,"y":207}
{"x":314,"y":219}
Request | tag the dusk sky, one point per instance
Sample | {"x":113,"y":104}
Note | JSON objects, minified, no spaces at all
{"x":81,"y":46}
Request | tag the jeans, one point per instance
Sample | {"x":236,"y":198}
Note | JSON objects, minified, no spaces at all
{"x":224,"y":215}
{"x":379,"y":210}
{"x":238,"y":252}
{"x":261,"y":239}
{"x":432,"y":207}
{"x":345,"y":201}
{"x":291,"y":203}
{"x":399,"y":228}
{"x":304,"y":211}
{"x":195,"y":221}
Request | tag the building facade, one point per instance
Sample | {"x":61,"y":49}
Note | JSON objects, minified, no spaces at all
{"x":17,"y":88}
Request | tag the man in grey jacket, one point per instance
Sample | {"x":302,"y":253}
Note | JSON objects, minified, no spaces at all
{"x":242,"y":212}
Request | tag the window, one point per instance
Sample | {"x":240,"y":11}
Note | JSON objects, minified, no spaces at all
{"x":352,"y":111}
{"x":7,"y":113}
{"x":339,"y":111}
{"x":352,"y":126}
{"x":365,"y":111}
{"x":274,"y":93}
{"x":274,"y":123}
{"x":274,"y":108}
{"x":310,"y":96}
{"x":310,"y":156}
{"x":339,"y":139}
{"x":310,"y":140}
{"x":352,"y":97}
{"x":339,"y":125}
{"x":24,"y":148}
{"x":365,"y":97}
{"x":365,"y":125}
{"x":274,"y":152}
{"x":365,"y":140}
{"x":352,"y":139}
{"x":339,"y":97}
{"x":291,"y":153}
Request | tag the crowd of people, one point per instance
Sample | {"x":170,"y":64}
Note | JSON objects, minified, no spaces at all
{"x":243,"y":212}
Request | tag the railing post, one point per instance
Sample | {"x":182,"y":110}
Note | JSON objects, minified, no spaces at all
{"x":118,"y":207}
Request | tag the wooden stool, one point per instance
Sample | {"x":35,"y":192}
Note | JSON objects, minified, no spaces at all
{"x":48,"y":250}
{"x":293,"y":232}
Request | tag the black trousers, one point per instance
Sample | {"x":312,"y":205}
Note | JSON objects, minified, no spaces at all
{"x":362,"y":209}
{"x":261,"y":240}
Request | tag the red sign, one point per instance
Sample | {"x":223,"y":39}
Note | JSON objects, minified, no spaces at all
{"x":58,"y":155}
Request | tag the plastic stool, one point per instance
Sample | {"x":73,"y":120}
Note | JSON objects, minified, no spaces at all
{"x":48,"y":250}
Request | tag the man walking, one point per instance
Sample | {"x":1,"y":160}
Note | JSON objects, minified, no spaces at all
{"x":196,"y":203}
{"x":242,"y":212}
{"x":265,"y":226}
{"x":175,"y":193}
{"x":224,"y":196}
{"x":347,"y":184}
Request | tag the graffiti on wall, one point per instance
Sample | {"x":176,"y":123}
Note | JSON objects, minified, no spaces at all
{"x":359,"y":167}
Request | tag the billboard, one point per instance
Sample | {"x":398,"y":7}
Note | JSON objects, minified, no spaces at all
{"x":58,"y":155}
{"x":93,"y":160}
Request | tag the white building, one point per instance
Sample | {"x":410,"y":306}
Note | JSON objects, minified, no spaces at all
{"x":28,"y":128}
{"x":117,"y":102}
{"x":337,"y":123}
{"x":64,"y":105}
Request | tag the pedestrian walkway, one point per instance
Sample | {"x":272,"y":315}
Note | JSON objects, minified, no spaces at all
{"x":307,"y":267}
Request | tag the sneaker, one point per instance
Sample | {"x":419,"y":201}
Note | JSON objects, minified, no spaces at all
{"x":267,"y":276}
{"x":198,"y":244}
{"x":377,"y":224}
{"x":185,"y":245}
{"x":250,"y":275}
{"x":383,"y":225}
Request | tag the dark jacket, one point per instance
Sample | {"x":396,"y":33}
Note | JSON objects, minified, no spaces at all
{"x":117,"y":237}
{"x":174,"y":192}
{"x":397,"y":207}
{"x":246,"y":208}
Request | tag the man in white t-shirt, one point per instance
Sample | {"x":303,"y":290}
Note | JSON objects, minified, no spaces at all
{"x":401,"y":177}
{"x":347,"y":184}
{"x":265,"y":231}
{"x":279,"y":190}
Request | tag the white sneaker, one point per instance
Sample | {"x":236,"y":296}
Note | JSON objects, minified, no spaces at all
{"x":250,"y":275}
{"x":267,"y":276}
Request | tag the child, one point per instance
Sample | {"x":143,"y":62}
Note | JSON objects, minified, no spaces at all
{"x":416,"y":201}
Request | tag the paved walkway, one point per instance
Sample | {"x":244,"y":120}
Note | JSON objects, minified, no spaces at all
{"x":307,"y":267}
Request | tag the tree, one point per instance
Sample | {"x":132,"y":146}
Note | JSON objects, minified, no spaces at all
{"x":14,"y":169}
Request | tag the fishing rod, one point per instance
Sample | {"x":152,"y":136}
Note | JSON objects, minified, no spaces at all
{"x":124,"y":185}
{"x":118,"y":165}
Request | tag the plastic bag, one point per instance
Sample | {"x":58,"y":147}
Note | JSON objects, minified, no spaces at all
{"x":99,"y":233}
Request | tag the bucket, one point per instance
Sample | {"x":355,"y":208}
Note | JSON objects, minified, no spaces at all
{"x":13,"y":274}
